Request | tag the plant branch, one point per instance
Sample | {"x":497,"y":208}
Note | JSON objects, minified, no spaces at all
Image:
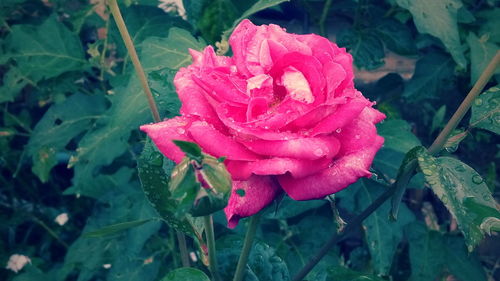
{"x":247,"y":247}
{"x":439,"y":142}
{"x":355,"y":223}
{"x":436,"y":146}
{"x":212,"y":260}
{"x":181,"y":238}
{"x":115,"y":11}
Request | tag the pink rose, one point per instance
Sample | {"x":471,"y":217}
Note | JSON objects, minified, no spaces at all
{"x":283,"y":110}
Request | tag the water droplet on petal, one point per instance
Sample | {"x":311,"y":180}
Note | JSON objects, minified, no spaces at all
{"x":338,"y":130}
{"x":181,"y":131}
{"x":357,"y":137}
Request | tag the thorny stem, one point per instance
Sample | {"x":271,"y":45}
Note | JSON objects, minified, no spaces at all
{"x":247,"y":247}
{"x":436,"y":146}
{"x":212,"y":260}
{"x":115,"y":11}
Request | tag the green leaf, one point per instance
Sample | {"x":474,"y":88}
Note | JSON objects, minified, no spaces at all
{"x":191,"y":149}
{"x":13,"y":83}
{"x":486,"y":111}
{"x":399,"y":140}
{"x":171,"y":52}
{"x":454,"y":182}
{"x":365,"y":46}
{"x":437,"y":120}
{"x":45,"y":51}
{"x":155,"y":185}
{"x":438,"y":18}
{"x":427,"y":252}
{"x":288,"y":208}
{"x":482,"y":50}
{"x":217,"y":16}
{"x":257,"y":7}
{"x":489,"y":24}
{"x":462,"y":264}
{"x":396,"y":36}
{"x":126,"y":250}
{"x":115,"y":228}
{"x":346,"y":274}
{"x":60,"y":124}
{"x":405,"y":173}
{"x":263,"y":263}
{"x":433,"y":74}
{"x":44,"y":160}
{"x":143,"y":21}
{"x":186,"y":273}
{"x":382,"y":234}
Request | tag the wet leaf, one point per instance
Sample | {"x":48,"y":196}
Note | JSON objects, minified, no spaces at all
{"x":486,"y":111}
{"x":454,"y":183}
{"x":186,"y":273}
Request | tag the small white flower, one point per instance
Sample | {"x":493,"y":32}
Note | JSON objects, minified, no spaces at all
{"x":62,"y":219}
{"x":17,"y":262}
{"x":193,"y":256}
{"x":106,"y":265}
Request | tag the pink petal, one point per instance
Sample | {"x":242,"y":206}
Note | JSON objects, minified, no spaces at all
{"x":217,"y":144}
{"x":342,"y":116}
{"x":276,"y":166}
{"x":301,"y":148}
{"x":259,"y":191}
{"x":163,"y":133}
{"x":193,"y":98}
{"x":343,"y":172}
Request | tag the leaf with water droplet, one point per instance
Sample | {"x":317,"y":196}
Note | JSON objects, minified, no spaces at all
{"x":154,"y":182}
{"x":486,"y":111}
{"x":457,"y":184}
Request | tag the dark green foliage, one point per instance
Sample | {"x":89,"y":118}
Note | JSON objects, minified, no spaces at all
{"x":71,"y":106}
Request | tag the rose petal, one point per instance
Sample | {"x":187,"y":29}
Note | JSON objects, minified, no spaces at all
{"x":298,"y":168}
{"x":301,"y":148}
{"x":258,"y":191}
{"x":163,"y":133}
{"x":217,"y":144}
{"x":192,"y":98}
{"x":343,"y":172}
{"x":341,"y":117}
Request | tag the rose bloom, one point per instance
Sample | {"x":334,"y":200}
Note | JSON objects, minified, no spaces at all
{"x":283,"y":111}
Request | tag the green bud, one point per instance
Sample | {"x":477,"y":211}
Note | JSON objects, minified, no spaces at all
{"x":202,"y":185}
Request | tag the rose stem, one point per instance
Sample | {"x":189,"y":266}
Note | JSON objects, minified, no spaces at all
{"x":439,"y":142}
{"x":436,"y":146}
{"x":212,"y":260}
{"x":115,"y":10}
{"x":247,"y":247}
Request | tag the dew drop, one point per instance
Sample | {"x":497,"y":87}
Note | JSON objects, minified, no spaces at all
{"x":338,"y":130}
{"x":477,"y":179}
{"x":460,"y":169}
{"x":181,"y":131}
{"x":357,"y":137}
{"x":478,"y":102}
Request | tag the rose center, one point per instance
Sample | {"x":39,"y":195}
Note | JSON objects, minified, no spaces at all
{"x":296,"y":85}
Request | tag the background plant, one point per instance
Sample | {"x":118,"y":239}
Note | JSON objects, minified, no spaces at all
{"x":71,"y":105}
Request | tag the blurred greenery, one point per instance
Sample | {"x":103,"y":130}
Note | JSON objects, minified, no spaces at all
{"x":72,"y":104}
